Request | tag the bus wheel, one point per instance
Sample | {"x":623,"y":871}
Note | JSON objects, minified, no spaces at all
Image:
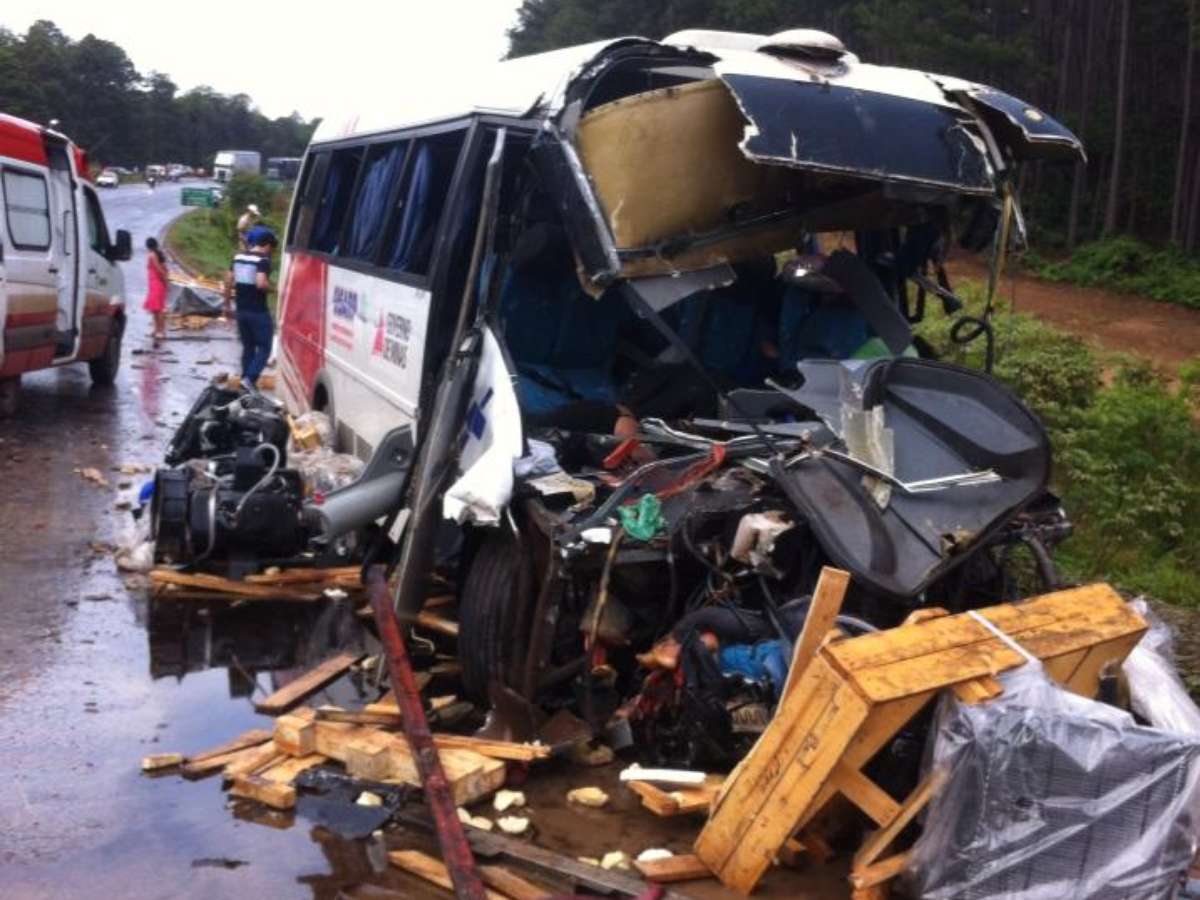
{"x":10,"y":396}
{"x":484,"y":613}
{"x":103,"y":368}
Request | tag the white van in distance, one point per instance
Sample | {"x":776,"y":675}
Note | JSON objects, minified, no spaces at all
{"x":62,"y":294}
{"x":228,"y":163}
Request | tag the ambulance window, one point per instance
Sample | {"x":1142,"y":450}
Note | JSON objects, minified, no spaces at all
{"x":97,"y":231}
{"x":335,"y":199}
{"x":376,"y":188}
{"x":27,"y":208}
{"x":409,"y":245}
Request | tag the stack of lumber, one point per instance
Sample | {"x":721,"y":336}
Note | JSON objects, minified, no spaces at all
{"x":299,"y":585}
{"x":260,"y":765}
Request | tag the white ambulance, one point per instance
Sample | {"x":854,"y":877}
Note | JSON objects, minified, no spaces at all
{"x":62,"y":294}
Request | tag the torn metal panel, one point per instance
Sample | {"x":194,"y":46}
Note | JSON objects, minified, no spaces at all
{"x":663,"y":291}
{"x":946,"y":421}
{"x":864,"y":134}
{"x":1024,"y":130}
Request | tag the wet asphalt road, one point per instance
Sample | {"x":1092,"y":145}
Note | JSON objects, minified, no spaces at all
{"x":78,"y":705}
{"x":93,"y":675}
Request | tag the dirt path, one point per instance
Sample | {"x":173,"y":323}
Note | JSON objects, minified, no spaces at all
{"x":1163,"y":332}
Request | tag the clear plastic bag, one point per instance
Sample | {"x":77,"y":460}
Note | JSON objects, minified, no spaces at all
{"x":1156,"y":692}
{"x":318,"y":421}
{"x":324,"y":471}
{"x":1050,"y":796}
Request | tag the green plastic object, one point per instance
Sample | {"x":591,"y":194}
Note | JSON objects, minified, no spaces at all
{"x":643,"y":521}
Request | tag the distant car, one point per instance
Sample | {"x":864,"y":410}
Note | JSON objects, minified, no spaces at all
{"x":108,"y":178}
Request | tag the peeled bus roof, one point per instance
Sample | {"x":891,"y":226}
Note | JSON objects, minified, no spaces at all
{"x":517,"y":87}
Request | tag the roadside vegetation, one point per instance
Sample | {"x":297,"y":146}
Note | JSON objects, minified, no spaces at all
{"x":1127,"y":450}
{"x":1128,"y":265}
{"x":205,"y":240}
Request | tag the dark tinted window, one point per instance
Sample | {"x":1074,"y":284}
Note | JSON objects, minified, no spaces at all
{"x":376,"y":189}
{"x":423,"y":195}
{"x":335,"y":199}
{"x":308,"y":198}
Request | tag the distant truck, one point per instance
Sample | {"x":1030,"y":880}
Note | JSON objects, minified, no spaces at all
{"x":228,"y":163}
{"x":283,"y":168}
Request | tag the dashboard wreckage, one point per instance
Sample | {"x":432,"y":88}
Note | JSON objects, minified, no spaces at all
{"x":676,"y":375}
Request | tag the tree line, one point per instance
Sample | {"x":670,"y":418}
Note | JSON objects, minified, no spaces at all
{"x":1121,"y":75}
{"x":123,"y":117}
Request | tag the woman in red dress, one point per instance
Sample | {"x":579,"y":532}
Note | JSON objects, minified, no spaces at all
{"x":156,"y":291}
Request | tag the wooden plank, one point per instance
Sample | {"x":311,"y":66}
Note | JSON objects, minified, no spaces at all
{"x":978,"y":690}
{"x":679,"y":801}
{"x":510,"y":884}
{"x":685,"y":867}
{"x":823,"y":611}
{"x":305,"y":576}
{"x":508,"y":750}
{"x":229,"y":587}
{"x":877,"y":873}
{"x":386,"y":757}
{"x":212,"y":764}
{"x":273,"y":793}
{"x":865,"y":794}
{"x":312,"y":680}
{"x":284,"y":772}
{"x":880,"y":728}
{"x":873,"y":847}
{"x":159,"y":761}
{"x":432,"y":870}
{"x":254,"y":761}
{"x":952,"y":649}
{"x":774,"y":785}
{"x":434,"y":622}
{"x":358,"y":717}
{"x":296,"y":733}
{"x":250,"y":738}
{"x":1085,"y":680}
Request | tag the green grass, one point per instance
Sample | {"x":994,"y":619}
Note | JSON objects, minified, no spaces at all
{"x":1127,"y":264}
{"x":205,"y":240}
{"x":1126,"y":450}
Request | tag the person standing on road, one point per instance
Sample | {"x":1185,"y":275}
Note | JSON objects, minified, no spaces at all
{"x":245,"y":222}
{"x":156,"y":287}
{"x":248,"y":281}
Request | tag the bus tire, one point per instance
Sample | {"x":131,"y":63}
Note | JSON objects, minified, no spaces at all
{"x":484,"y":611}
{"x":10,"y":396}
{"x":104,"y":367}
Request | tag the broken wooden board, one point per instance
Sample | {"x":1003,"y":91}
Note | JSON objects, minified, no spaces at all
{"x":856,"y":693}
{"x":307,"y":576}
{"x":432,"y":870}
{"x":679,"y":801}
{"x":381,"y":756}
{"x":228,"y":587}
{"x":510,"y":884}
{"x":686,"y":867}
{"x":947,"y":650}
{"x":156,"y":762}
{"x":275,"y":794}
{"x":312,"y":680}
{"x":218,"y":758}
{"x":507,"y":750}
{"x":253,"y":761}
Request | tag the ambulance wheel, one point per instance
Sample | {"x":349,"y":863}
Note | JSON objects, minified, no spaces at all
{"x":485,"y":608}
{"x":103,"y":368}
{"x":10,"y":396}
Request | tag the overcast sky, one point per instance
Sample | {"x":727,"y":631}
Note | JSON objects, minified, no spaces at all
{"x":317,"y":58}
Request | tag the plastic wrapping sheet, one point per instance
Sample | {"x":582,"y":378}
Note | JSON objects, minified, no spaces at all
{"x":320,"y":422}
{"x":1050,"y":796}
{"x":324,"y":471}
{"x":1156,"y":691}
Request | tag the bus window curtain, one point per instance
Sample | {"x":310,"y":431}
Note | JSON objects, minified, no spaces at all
{"x":325,"y":230}
{"x":370,"y":208}
{"x":414,"y":212}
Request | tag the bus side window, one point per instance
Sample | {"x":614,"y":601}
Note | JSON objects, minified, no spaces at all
{"x":409,"y":244}
{"x":382,"y":171}
{"x":335,"y":199}
{"x":308,"y":199}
